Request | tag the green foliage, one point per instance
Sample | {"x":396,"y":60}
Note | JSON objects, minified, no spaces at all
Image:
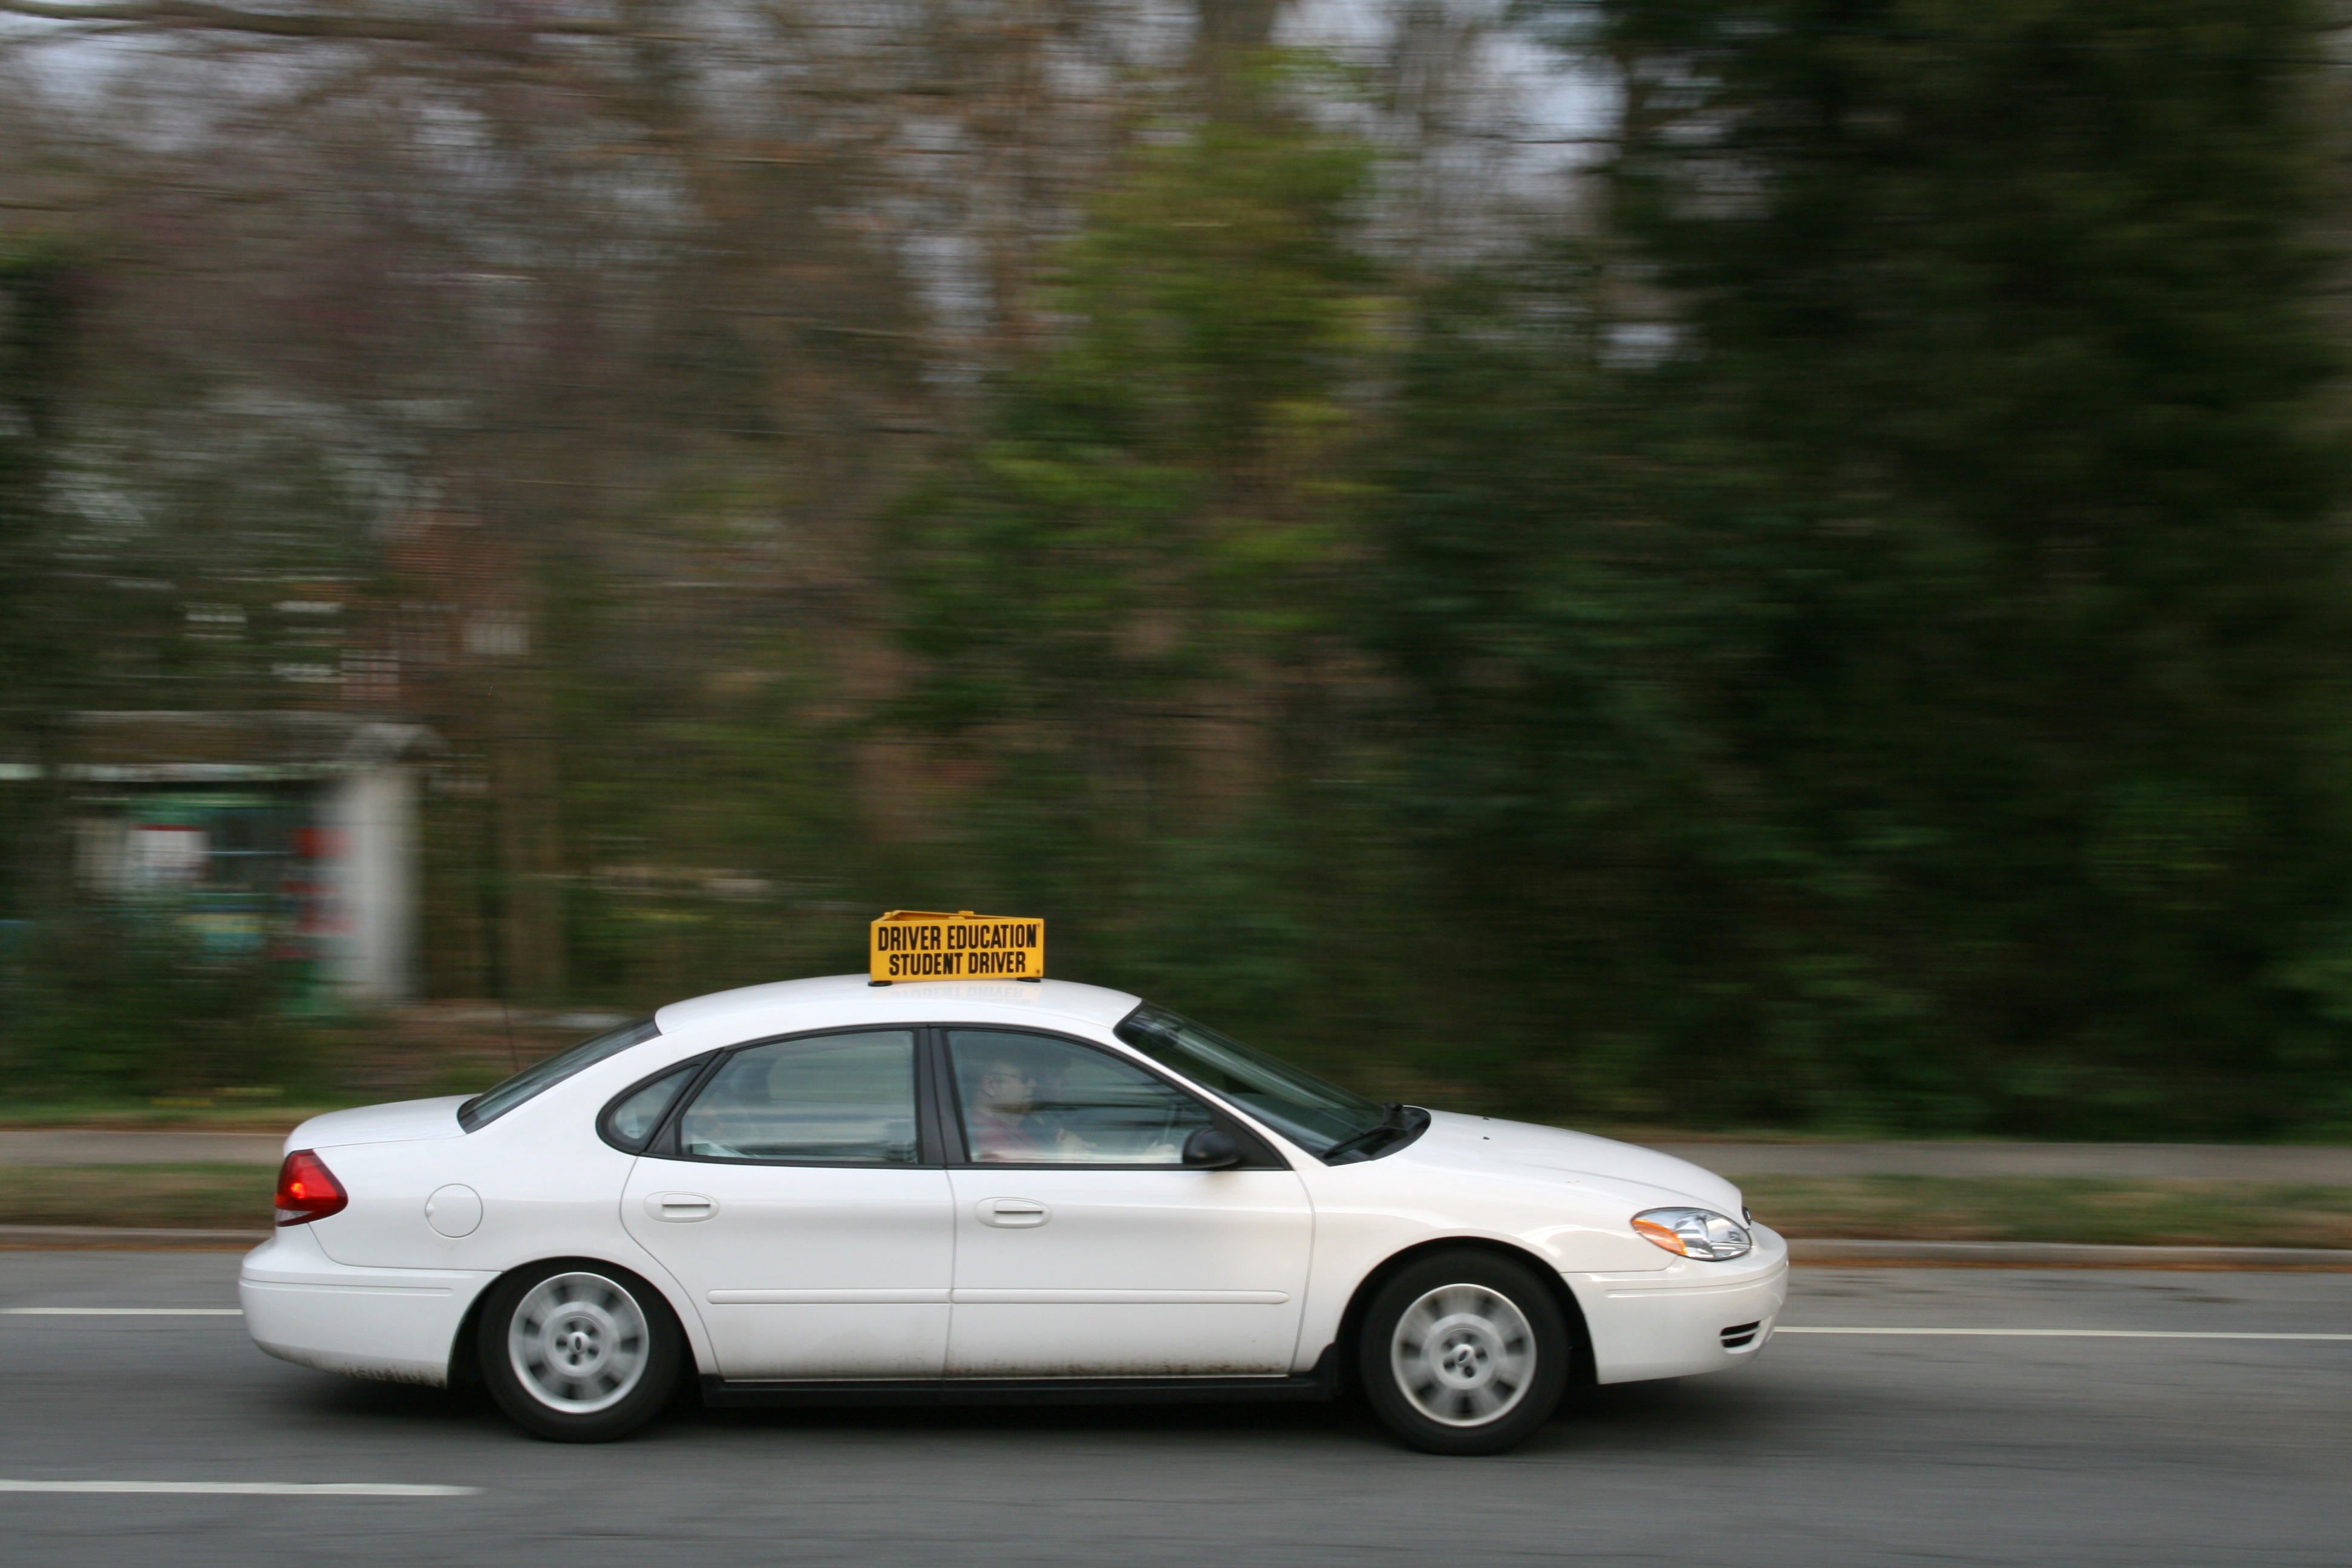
{"x":1909,"y":699}
{"x":1162,"y":498}
{"x":36,"y":311}
{"x":95,"y":999}
{"x":107,"y":1004}
{"x":1856,"y":643}
{"x":1916,"y":699}
{"x":1222,"y":260}
{"x":1128,"y":598}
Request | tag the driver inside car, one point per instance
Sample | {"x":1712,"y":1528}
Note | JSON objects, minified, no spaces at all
{"x":1006,"y":1124}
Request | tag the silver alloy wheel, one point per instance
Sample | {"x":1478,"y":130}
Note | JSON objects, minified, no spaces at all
{"x":1463,"y":1355}
{"x":578,"y":1342}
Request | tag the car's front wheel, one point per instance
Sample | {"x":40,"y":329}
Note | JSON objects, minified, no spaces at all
{"x":579,"y":1351}
{"x":1464,"y":1353}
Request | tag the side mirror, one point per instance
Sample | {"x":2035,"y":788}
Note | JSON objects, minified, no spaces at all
{"x":1211,"y":1150}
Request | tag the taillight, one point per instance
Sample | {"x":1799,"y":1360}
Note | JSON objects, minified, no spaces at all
{"x":307,"y":1190}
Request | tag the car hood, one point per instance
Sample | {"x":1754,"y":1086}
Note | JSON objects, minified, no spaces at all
{"x":400,"y":1121}
{"x":1518,"y":1148}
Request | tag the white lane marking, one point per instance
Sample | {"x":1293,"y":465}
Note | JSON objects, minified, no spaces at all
{"x":121,"y":1311}
{"x":2071,"y":1334}
{"x":247,"y":1488}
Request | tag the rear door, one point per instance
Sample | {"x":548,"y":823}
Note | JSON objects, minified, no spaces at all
{"x":1084,"y":1246}
{"x":795,"y":1197}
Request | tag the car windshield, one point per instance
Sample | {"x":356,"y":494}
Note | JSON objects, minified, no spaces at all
{"x":1317,"y":1116}
{"x":488,"y":1107}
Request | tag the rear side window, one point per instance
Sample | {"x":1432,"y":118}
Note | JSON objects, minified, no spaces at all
{"x":632,"y":1120}
{"x":486,"y":1108}
{"x":824,"y":1099}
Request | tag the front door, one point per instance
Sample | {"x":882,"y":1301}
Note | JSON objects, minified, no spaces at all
{"x":792,"y":1202}
{"x":1085,"y":1247}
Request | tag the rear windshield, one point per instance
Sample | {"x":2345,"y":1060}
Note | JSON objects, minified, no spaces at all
{"x":486,"y":1108}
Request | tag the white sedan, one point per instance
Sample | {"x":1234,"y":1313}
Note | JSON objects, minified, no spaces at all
{"x":825,"y":1190}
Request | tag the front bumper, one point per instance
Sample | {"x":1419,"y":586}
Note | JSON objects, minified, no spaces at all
{"x":1681,"y":1320}
{"x":399,"y":1325}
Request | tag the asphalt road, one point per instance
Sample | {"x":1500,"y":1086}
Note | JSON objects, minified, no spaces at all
{"x":1835,"y":1449}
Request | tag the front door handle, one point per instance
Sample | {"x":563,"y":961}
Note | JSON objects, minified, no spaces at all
{"x":680,"y":1207}
{"x":1012,"y":1214}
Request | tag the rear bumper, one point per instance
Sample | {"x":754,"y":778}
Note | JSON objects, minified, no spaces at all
{"x":1678,"y":1320}
{"x":397,"y":1325}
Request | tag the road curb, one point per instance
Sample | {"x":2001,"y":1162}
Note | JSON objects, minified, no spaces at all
{"x":2062,"y":1255}
{"x":23,"y":1237}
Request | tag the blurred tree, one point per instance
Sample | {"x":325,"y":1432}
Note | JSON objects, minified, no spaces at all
{"x":38,"y":311}
{"x":1850,"y":638}
{"x":1979,"y":347}
{"x":91,"y":999}
{"x":1126,"y":597}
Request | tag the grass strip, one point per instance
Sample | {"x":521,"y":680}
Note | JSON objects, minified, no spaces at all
{"x":175,"y":1197}
{"x":125,"y":1116}
{"x":2054,"y":1208}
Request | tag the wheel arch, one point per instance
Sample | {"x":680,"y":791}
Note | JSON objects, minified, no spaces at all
{"x":465,"y":1350}
{"x":1580,"y":1372}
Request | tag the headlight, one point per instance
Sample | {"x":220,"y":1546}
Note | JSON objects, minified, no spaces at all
{"x":1693,"y":1233}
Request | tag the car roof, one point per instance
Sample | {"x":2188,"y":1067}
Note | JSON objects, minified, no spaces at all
{"x":835,"y":1000}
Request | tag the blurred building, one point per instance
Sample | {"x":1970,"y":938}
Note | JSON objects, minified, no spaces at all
{"x":288,"y":835}
{"x":285,"y":824}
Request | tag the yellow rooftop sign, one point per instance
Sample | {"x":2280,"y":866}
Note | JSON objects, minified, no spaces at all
{"x":921,"y":944}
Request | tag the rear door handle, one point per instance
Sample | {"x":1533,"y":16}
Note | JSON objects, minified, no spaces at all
{"x":1012,"y":1214}
{"x":679,"y":1208}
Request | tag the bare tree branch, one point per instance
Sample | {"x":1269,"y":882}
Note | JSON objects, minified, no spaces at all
{"x":201,"y":16}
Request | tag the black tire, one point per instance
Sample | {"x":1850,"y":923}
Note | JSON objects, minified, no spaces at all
{"x":1464,"y":1352}
{"x":579,"y":1351}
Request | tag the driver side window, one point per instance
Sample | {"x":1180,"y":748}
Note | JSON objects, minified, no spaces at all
{"x":1030,"y":1100}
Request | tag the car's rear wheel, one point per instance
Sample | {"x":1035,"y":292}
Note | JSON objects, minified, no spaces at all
{"x":1464,"y":1353}
{"x":579,"y":1351}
